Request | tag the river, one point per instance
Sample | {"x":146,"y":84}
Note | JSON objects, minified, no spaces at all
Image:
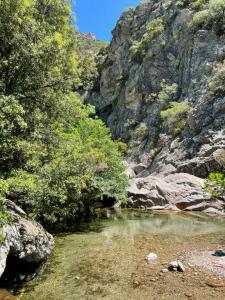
{"x":105,"y":258}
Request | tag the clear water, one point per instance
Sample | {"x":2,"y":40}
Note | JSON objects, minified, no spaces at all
{"x":105,"y":259}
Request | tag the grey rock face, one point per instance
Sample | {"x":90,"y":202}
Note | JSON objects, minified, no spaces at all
{"x":178,"y":56}
{"x":24,"y":239}
{"x":178,"y":191}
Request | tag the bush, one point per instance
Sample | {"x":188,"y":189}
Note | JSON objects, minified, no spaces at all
{"x":122,"y":147}
{"x":201,"y":19}
{"x":153,"y":30}
{"x":211,"y":17}
{"x":166,"y":94}
{"x":217,"y":83}
{"x":198,"y":4}
{"x":215,"y":184}
{"x":141,"y":131}
{"x":217,"y":15}
{"x":175,"y":117}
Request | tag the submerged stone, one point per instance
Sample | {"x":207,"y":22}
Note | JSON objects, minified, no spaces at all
{"x":151,"y":257}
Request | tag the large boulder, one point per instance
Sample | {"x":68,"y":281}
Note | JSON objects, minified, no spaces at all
{"x":24,"y":240}
{"x":178,"y":191}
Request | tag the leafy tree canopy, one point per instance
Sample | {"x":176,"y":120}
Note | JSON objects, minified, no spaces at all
{"x":56,"y":158}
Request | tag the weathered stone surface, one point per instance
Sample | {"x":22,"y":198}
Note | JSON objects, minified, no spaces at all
{"x":180,"y":190}
{"x":129,"y":96}
{"x":139,"y":168}
{"x":24,"y":239}
{"x":178,"y":55}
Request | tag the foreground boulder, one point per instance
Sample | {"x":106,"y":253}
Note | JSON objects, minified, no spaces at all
{"x":25,"y":243}
{"x":178,"y":191}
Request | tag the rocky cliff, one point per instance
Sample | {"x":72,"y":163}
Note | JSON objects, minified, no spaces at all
{"x":160,"y":85}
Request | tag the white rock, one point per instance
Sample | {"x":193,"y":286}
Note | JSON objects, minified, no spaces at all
{"x":174,"y":264}
{"x":164,"y":270}
{"x":181,"y":267}
{"x":151,"y":257}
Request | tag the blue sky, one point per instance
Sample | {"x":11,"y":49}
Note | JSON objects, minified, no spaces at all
{"x":100,"y":16}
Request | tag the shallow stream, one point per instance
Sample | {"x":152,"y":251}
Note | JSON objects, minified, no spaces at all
{"x":105,"y":258}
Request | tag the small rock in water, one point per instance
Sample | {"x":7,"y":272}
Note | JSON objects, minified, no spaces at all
{"x":151,"y":257}
{"x":153,"y":279}
{"x":181,"y":267}
{"x":215,"y":283}
{"x":176,"y":266}
{"x":164,"y":270}
{"x":173,"y":266}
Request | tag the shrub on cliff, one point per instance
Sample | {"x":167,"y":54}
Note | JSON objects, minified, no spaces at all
{"x":213,"y":16}
{"x":153,"y":30}
{"x":217,"y":83}
{"x":198,"y":4}
{"x":175,"y":117}
{"x":56,"y":158}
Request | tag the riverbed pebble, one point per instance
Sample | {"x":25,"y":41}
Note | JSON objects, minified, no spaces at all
{"x":176,"y":266}
{"x":164,"y":270}
{"x":151,"y":257}
{"x":181,"y":267}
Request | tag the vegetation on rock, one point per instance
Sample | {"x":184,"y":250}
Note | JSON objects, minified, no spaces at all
{"x":153,"y":30}
{"x":175,"y":117}
{"x":211,"y":15}
{"x":215,"y":183}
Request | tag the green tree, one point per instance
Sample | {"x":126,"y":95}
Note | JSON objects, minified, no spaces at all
{"x":56,"y":158}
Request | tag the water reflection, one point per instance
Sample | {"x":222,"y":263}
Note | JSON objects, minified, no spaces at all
{"x":130,"y":224}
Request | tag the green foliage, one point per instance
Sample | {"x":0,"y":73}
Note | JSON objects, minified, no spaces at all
{"x":212,"y":16}
{"x":217,"y":15}
{"x":215,"y":184}
{"x":56,"y":159}
{"x":201,"y":19}
{"x":122,"y":147}
{"x":91,"y":55}
{"x":166,"y":94}
{"x":141,"y":131}
{"x":175,"y":116}
{"x":198,"y":4}
{"x":153,"y":30}
{"x":88,"y":70}
{"x":217,"y":83}
{"x":4,"y":216}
